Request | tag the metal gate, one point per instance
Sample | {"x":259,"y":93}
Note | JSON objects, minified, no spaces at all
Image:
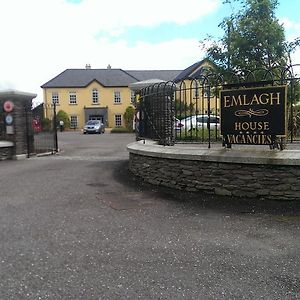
{"x":189,"y":111}
{"x":42,"y":130}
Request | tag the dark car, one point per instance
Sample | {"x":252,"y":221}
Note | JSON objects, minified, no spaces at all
{"x":94,"y":126}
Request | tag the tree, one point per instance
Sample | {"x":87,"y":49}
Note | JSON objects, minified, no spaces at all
{"x":63,"y":116}
{"x":253,"y":38}
{"x":128,"y":118}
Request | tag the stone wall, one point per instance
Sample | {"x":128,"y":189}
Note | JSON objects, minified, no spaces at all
{"x":229,"y":179}
{"x":20,"y":134}
{"x":6,"y":153}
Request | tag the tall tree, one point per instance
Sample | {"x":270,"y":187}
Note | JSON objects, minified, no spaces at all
{"x":253,"y":38}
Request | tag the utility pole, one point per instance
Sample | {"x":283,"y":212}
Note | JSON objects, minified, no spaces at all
{"x":229,"y":25}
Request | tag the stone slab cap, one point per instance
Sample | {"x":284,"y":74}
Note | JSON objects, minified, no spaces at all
{"x":136,"y":86}
{"x":6,"y":144}
{"x":15,"y":94}
{"x":221,"y":155}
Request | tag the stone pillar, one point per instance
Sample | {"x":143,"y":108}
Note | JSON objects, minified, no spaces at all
{"x":16,"y":121}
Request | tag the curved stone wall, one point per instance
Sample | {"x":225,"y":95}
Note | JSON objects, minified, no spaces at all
{"x":6,"y":150}
{"x":268,"y":174}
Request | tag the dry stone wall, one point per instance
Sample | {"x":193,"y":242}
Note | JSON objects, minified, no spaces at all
{"x":229,"y":179}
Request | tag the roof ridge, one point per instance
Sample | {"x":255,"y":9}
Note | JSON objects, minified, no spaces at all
{"x":154,"y":70}
{"x":130,"y":75}
{"x":54,"y":78}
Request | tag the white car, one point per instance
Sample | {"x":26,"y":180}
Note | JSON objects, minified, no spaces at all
{"x":198,"y":122}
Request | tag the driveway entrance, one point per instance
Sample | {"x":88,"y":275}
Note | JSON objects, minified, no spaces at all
{"x":78,"y":225}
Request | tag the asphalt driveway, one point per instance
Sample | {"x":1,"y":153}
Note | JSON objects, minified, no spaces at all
{"x":77,"y":225}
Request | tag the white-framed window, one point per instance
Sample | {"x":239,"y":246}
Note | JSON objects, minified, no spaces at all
{"x":95,"y":96}
{"x":117,"y":97}
{"x":132,"y":97}
{"x":73,"y":121}
{"x":55,"y":98}
{"x":72,"y":98}
{"x":118,"y":120}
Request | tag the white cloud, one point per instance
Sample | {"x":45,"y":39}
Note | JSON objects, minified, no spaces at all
{"x":296,"y":58}
{"x":292,"y":31}
{"x":117,"y":15}
{"x":287,"y":24}
{"x":41,"y":38}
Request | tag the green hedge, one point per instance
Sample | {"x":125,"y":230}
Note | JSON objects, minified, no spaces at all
{"x":121,"y":130}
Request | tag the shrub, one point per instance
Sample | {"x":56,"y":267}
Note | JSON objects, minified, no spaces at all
{"x":46,"y":124}
{"x":63,"y":116}
{"x":128,"y":118}
{"x":201,"y":135}
{"x":120,"y":130}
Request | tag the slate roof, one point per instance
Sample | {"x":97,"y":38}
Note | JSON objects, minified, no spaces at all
{"x":189,"y":72}
{"x":166,"y":75}
{"x":106,"y":77}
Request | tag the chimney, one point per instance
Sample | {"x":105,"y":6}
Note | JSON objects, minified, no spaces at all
{"x":88,"y":66}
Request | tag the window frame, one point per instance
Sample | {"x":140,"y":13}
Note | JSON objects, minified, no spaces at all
{"x":56,"y":96}
{"x":72,"y":121}
{"x":132,"y":97}
{"x":118,"y":123}
{"x":117,"y":99}
{"x":72,"y":101}
{"x":95,"y":96}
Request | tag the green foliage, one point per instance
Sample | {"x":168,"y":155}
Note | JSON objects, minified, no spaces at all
{"x":46,"y":124}
{"x":201,"y":135}
{"x":128,"y":118}
{"x":294,"y":121}
{"x":63,"y":116}
{"x":120,"y":130}
{"x":253,"y":38}
{"x":294,"y":92}
{"x":183,"y":108}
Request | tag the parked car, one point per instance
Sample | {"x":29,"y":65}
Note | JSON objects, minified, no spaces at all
{"x":178,"y":125}
{"x":94,"y":126}
{"x":198,"y":122}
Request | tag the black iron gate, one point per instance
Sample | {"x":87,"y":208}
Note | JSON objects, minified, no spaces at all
{"x":42,"y":130}
{"x":189,"y":111}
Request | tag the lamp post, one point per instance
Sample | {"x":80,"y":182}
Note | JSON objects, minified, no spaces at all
{"x":55,"y":127}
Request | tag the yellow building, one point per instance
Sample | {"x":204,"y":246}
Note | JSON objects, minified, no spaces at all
{"x":102,"y":94}
{"x":193,"y":91}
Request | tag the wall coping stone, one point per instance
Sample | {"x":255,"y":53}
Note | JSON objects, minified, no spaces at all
{"x":6,"y":144}
{"x":20,"y":157}
{"x":250,"y":155}
{"x":16,"y":94}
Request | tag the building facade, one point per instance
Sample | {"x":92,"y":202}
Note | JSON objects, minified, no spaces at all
{"x":99,"y":94}
{"x":193,"y":91}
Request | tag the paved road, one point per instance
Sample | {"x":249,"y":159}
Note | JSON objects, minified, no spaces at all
{"x":78,"y":226}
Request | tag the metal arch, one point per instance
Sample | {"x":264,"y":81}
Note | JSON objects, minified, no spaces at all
{"x":247,"y":74}
{"x":233,"y":77}
{"x":290,"y":70}
{"x":277,"y":70}
{"x":183,"y":102}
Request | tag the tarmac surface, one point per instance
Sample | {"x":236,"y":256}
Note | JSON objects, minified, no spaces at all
{"x":78,"y":225}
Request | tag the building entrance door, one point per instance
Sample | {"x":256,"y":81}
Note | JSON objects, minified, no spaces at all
{"x":96,"y":117}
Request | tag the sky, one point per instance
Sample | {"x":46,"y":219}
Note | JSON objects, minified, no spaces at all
{"x":42,"y":38}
